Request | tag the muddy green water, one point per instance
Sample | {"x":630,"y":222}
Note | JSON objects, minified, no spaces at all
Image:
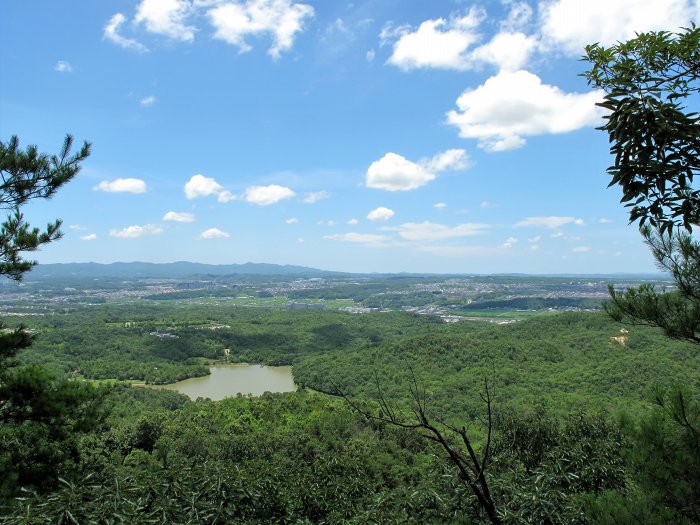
{"x":229,"y":380}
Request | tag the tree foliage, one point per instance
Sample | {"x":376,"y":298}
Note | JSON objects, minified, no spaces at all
{"x":26,"y":175}
{"x":41,"y":412}
{"x":651,"y":82}
{"x":677,"y":312}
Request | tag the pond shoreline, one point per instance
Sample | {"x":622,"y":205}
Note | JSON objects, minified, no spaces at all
{"x":230,"y":379}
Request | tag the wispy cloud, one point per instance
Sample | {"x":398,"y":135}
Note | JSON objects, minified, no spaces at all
{"x":134,"y":232}
{"x":128,"y":185}
{"x":63,"y":66}
{"x":178,"y":217}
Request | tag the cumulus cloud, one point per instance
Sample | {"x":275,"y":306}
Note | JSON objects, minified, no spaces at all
{"x":134,"y":232}
{"x":367,"y":238}
{"x":88,"y":237}
{"x":111,"y":33}
{"x":63,"y":66}
{"x":213,"y":233}
{"x":436,"y":43}
{"x":178,"y":217}
{"x":450,"y":43}
{"x":353,"y":222}
{"x":551,"y":221}
{"x":127,"y":185}
{"x":148,"y":101}
{"x":396,"y":173}
{"x":315,"y":196}
{"x":512,"y":105}
{"x":509,"y":51}
{"x":266,"y":195}
{"x":166,"y":17}
{"x":279,"y":19}
{"x":572,"y":24}
{"x":380,"y":214}
{"x":201,"y":186}
{"x":509,"y":242}
{"x":428,"y":231}
{"x":293,"y":220}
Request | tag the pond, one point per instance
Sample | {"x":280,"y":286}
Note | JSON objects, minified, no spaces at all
{"x":229,"y":380}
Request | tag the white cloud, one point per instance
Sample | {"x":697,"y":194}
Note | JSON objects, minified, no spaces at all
{"x":536,"y":238}
{"x":603,"y":220}
{"x":573,"y":24}
{"x":201,"y":186}
{"x":436,"y":43}
{"x":226,"y":196}
{"x":509,"y":242}
{"x":63,"y":66}
{"x":557,"y":235}
{"x":134,"y":232}
{"x":451,"y":159}
{"x":88,"y":237}
{"x":326,"y":223}
{"x":512,"y":105}
{"x":440,"y":205}
{"x":370,"y":55}
{"x":280,"y":19}
{"x":508,"y":51}
{"x":551,"y":221}
{"x":581,"y":249}
{"x":316,"y":196}
{"x":266,"y":195}
{"x":213,"y":233}
{"x":127,"y":185}
{"x":293,"y":220}
{"x":353,"y":222}
{"x":367,"y":238}
{"x":380,"y":214}
{"x":428,"y":231}
{"x":111,"y":33}
{"x":519,"y":15}
{"x":300,"y":240}
{"x":148,"y":101}
{"x":166,"y":17}
{"x":580,"y":222}
{"x":77,"y":227}
{"x":395,"y":173}
{"x":178,"y":217}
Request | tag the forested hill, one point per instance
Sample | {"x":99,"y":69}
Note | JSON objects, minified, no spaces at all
{"x":175,"y":270}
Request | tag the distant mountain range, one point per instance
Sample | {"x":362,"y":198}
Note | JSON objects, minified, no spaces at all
{"x":176,"y":270}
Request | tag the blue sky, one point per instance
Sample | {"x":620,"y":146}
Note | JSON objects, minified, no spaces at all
{"x":368,"y":136}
